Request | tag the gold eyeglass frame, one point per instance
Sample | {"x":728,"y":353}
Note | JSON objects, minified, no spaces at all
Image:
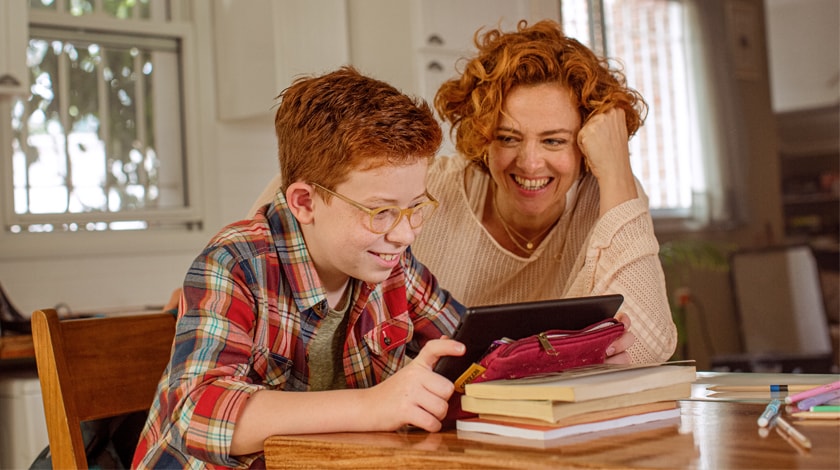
{"x":407,"y":212}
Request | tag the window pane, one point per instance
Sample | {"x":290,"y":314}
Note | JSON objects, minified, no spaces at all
{"x":646,"y":40}
{"x":120,"y":9}
{"x":97,"y":150}
{"x":126,"y":9}
{"x":42,"y":5}
{"x":647,"y":36}
{"x":80,"y":7}
{"x":575,"y":16}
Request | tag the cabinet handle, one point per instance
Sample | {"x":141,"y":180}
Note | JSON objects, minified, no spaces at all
{"x":435,"y":66}
{"x":435,"y":40}
{"x":8,"y":80}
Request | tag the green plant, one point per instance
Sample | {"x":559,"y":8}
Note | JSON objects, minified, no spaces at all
{"x":679,"y":258}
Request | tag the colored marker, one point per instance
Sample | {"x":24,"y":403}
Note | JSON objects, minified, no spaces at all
{"x":818,"y":399}
{"x":770,"y":412}
{"x":811,"y":392}
{"x":825,"y":408}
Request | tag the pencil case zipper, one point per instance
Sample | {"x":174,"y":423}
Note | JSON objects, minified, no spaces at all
{"x":547,"y":339}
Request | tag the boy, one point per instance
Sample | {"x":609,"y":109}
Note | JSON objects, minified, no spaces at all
{"x":299,"y":319}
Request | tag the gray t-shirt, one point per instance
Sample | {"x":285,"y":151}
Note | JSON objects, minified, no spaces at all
{"x":326,"y":371}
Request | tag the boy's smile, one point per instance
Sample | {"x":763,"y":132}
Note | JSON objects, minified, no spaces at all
{"x":339,"y":236}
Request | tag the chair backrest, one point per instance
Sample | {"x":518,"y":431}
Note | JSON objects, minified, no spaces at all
{"x":780,"y":302}
{"x":95,"y":368}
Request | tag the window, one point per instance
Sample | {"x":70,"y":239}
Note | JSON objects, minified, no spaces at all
{"x":652,"y":42}
{"x":97,"y":145}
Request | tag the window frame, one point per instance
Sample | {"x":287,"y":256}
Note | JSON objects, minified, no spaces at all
{"x":196,"y":163}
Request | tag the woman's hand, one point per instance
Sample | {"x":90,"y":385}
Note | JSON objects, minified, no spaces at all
{"x":603,"y":141}
{"x":617,"y":351}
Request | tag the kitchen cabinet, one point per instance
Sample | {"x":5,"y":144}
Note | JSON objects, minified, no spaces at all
{"x":803,"y":60}
{"x":263,"y":45}
{"x":14,"y":36}
{"x":445,"y":30}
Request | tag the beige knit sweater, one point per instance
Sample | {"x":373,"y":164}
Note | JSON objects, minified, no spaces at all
{"x":583,"y":255}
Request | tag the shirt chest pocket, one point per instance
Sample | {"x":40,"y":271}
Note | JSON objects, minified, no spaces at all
{"x":390,"y":335}
{"x":273,"y":369}
{"x":387,"y":342}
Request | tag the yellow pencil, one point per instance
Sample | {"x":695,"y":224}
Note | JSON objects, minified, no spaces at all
{"x":816,"y":414}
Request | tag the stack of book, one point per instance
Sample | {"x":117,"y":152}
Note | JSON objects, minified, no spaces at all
{"x":577,"y":401}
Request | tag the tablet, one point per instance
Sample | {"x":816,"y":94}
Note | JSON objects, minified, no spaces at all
{"x":480,"y":326}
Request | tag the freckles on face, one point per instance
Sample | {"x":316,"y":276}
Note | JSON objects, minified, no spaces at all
{"x":345,"y":242}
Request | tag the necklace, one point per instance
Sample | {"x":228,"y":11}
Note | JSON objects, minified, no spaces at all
{"x":510,"y":231}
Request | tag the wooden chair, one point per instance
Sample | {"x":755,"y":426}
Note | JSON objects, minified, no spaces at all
{"x":96,"y":368}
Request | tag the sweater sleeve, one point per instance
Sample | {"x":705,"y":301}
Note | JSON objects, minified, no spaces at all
{"x":622,"y":256}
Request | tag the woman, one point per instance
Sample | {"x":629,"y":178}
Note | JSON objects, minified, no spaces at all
{"x":541,"y":202}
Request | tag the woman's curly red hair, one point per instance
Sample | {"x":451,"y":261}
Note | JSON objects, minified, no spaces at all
{"x":531,"y":55}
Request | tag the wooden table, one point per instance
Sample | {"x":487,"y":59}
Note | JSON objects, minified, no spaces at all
{"x":710,"y":434}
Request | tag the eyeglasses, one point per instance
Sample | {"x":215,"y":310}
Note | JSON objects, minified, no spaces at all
{"x":384,"y":219}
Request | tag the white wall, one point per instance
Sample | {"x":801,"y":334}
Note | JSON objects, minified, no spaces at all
{"x":804,"y":53}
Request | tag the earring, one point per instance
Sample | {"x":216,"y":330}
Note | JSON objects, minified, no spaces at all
{"x":485,"y":158}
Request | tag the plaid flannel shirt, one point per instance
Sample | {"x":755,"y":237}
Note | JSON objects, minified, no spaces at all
{"x":251,"y":303}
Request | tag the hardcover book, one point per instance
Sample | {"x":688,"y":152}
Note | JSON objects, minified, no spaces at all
{"x":546,"y":432}
{"x":646,"y":439}
{"x":599,"y":415}
{"x":587,"y":383}
{"x":551,"y":411}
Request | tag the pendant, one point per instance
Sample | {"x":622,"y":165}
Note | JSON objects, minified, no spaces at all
{"x":529,"y":245}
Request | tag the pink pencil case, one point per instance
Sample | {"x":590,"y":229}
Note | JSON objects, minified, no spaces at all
{"x":550,"y":351}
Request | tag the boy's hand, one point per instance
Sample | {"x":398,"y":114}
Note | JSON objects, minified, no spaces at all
{"x":617,"y":351}
{"x":415,"y":395}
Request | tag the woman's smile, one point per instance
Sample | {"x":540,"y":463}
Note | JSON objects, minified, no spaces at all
{"x":531,"y":184}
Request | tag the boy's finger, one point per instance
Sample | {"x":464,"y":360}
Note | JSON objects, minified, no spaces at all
{"x":435,"y":349}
